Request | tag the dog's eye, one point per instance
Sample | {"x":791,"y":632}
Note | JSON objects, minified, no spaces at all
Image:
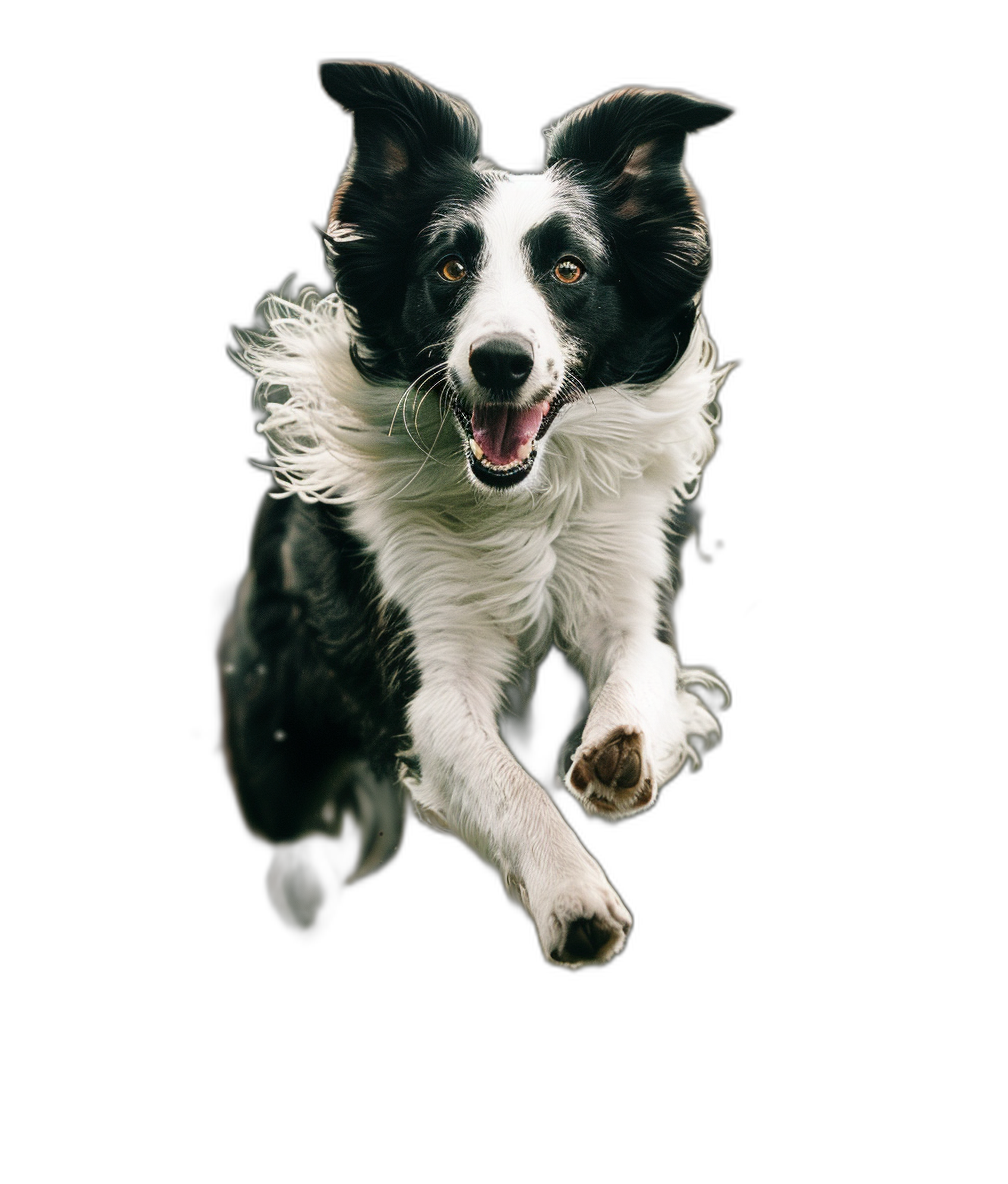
{"x":452,"y":269}
{"x":569,"y":270}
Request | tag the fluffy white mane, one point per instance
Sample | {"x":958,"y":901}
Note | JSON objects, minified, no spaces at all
{"x":337,"y":437}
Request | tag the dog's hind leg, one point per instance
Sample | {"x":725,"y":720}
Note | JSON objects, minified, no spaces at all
{"x":306,"y":733}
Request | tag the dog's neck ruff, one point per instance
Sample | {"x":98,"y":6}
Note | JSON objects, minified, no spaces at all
{"x":340,"y":438}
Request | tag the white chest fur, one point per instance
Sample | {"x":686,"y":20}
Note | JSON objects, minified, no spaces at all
{"x":489,"y":578}
{"x":584,"y":529}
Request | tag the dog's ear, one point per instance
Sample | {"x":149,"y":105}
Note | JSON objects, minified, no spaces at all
{"x":631,"y":142}
{"x":627,"y":149}
{"x":400,"y":125}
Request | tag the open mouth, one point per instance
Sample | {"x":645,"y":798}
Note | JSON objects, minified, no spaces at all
{"x":501,"y":439}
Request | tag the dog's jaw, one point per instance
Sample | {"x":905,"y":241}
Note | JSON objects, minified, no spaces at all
{"x":512,"y":470}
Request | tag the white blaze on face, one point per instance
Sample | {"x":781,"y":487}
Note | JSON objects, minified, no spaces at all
{"x":505,"y":299}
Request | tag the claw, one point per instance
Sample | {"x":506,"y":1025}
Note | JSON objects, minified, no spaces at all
{"x":696,"y":676}
{"x":693,"y":755}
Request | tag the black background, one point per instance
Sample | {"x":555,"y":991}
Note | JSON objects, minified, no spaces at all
{"x":726,"y":875}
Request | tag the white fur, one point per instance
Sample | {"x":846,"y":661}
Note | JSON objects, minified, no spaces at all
{"x":504,"y":301}
{"x":490,"y":578}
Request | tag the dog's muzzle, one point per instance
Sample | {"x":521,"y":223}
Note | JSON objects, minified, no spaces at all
{"x":501,"y":430}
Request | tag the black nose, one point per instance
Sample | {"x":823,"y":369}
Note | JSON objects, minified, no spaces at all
{"x":501,"y":361}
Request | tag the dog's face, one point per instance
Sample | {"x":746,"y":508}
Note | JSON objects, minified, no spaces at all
{"x":519,"y":281}
{"x":513,"y":294}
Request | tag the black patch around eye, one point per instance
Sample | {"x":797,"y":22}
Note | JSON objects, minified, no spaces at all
{"x":465,"y":241}
{"x":557,"y":236}
{"x":378,"y":270}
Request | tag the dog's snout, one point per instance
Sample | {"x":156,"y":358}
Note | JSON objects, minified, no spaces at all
{"x":501,"y":361}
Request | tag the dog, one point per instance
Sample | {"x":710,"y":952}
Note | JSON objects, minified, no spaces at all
{"x":483,"y":442}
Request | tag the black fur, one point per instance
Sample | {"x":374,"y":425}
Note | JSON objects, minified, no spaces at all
{"x":316,"y":668}
{"x":316,"y":675}
{"x":625,"y":150}
{"x":415,"y":152}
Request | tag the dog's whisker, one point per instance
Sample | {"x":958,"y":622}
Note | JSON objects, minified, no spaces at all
{"x":420,"y":389}
{"x":402,"y":405}
{"x":405,"y":396}
{"x":402,"y":399}
{"x":428,"y":378}
{"x":429,"y":455}
{"x":417,"y":408}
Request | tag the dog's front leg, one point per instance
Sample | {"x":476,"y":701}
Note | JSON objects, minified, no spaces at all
{"x":642,"y":716}
{"x":470,"y":782}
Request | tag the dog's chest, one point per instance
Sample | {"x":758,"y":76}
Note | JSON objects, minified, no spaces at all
{"x":525,"y":571}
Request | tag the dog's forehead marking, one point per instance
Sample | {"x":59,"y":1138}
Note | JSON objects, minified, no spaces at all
{"x":516,"y":204}
{"x":519,"y":203}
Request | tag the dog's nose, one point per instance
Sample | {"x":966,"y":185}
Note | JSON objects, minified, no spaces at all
{"x":501,"y":361}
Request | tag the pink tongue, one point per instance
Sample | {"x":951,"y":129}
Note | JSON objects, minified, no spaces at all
{"x":501,"y":431}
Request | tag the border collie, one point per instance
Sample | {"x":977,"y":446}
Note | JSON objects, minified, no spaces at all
{"x":490,"y":429}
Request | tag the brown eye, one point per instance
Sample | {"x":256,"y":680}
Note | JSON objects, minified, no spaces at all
{"x":569,"y":270}
{"x":452,"y":269}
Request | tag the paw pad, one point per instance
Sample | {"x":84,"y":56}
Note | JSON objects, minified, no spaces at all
{"x":611,"y":775}
{"x":584,"y":940}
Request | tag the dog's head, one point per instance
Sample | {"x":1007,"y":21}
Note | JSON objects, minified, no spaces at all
{"x":515,"y":293}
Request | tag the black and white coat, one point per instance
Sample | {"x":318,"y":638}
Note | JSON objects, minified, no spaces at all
{"x":409,"y":581}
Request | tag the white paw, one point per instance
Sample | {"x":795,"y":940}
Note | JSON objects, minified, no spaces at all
{"x":302,"y":881}
{"x":583,"y":921}
{"x":692,"y":719}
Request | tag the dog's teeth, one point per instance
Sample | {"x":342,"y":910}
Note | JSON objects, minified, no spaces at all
{"x":521,"y":457}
